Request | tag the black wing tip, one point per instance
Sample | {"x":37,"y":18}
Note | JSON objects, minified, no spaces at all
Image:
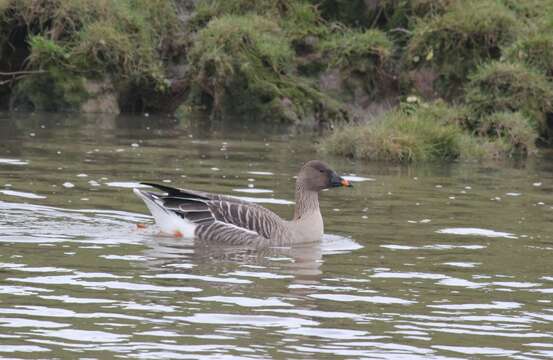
{"x":149,"y":184}
{"x":169,"y":190}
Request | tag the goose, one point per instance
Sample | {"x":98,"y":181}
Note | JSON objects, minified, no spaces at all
{"x":229,"y":220}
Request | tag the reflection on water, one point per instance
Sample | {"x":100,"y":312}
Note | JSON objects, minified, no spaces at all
{"x":426,"y":262}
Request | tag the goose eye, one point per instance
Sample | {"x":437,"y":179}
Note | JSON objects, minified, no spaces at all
{"x":321,"y":171}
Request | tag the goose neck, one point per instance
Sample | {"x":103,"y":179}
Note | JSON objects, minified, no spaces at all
{"x":307,"y":202}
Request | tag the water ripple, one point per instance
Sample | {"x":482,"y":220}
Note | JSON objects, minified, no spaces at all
{"x":240,"y":319}
{"x":369,"y":299}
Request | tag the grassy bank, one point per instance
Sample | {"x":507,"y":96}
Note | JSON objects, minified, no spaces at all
{"x":52,"y":50}
{"x":434,"y":131}
{"x":475,"y":82}
{"x":459,"y":79}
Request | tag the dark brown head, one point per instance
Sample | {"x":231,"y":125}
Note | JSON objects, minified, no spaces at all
{"x":315,"y":175}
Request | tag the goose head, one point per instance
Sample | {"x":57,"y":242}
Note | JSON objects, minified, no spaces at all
{"x":316,"y":176}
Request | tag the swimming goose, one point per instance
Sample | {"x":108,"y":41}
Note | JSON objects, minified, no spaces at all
{"x":232,"y":221}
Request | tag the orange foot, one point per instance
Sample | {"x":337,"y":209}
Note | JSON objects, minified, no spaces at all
{"x":141,"y":226}
{"x":178,"y":234}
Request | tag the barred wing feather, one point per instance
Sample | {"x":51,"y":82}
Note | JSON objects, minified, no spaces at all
{"x":221,"y":218}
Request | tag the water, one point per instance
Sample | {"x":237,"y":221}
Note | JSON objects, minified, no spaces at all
{"x":423,"y":262}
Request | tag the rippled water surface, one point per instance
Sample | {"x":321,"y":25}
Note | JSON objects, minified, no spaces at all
{"x":426,"y":262}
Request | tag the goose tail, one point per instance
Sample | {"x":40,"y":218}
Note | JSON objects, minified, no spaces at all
{"x":168,"y":221}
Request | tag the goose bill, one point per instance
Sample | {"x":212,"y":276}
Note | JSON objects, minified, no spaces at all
{"x":337,"y":181}
{"x":345,"y":183}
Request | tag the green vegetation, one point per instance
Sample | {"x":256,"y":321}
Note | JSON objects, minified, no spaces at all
{"x":499,"y":86}
{"x":461,"y":79}
{"x":433,"y":132}
{"x":297,"y":19}
{"x":122,"y":41}
{"x":65,"y":91}
{"x":453,"y":43}
{"x":244,"y":65}
{"x":385,"y":14}
{"x":244,"y":61}
{"x":359,"y":55}
{"x":239,"y":57}
{"x":512,"y":130}
{"x":399,"y":135}
{"x":534,"y":50}
{"x":492,"y":57}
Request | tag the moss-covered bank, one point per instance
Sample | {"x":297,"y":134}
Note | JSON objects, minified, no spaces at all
{"x":331,"y":63}
{"x":434,"y":131}
{"x":486,"y":64}
{"x":53,"y":52}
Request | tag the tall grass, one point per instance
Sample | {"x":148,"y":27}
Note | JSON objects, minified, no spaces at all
{"x":433,"y":132}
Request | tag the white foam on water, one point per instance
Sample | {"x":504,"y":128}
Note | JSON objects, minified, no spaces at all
{"x":114,"y":285}
{"x":13,"y":161}
{"x":546,"y":345}
{"x":245,"y":319}
{"x":477,"y":232}
{"x":354,"y":178}
{"x":336,"y":244}
{"x":433,"y":247}
{"x":449,"y":247}
{"x":126,"y":257}
{"x":21,"y":290}
{"x":327,"y":333}
{"x":260,"y":275}
{"x":244,"y":301}
{"x":369,"y":299}
{"x":253,"y":191}
{"x":76,"y":300}
{"x":451,"y":281}
{"x":494,"y":305}
{"x":126,"y":184}
{"x":22,"y":194}
{"x":30,"y":323}
{"x":462,"y":264}
{"x":49,"y":225}
{"x":322,"y":287}
{"x":181,"y":265}
{"x":374,"y":350}
{"x":160,"y":333}
{"x":316,"y":313}
{"x":408,"y":275}
{"x":88,"y":336}
{"x":5,"y":348}
{"x":472,"y":350}
{"x":207,"y":278}
{"x":516,"y":284}
{"x":399,"y":247}
{"x":264,"y":173}
{"x":347,"y":280}
{"x":43,"y":269}
{"x":150,"y":307}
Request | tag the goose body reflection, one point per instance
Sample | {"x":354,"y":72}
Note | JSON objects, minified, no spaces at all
{"x":301,"y":261}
